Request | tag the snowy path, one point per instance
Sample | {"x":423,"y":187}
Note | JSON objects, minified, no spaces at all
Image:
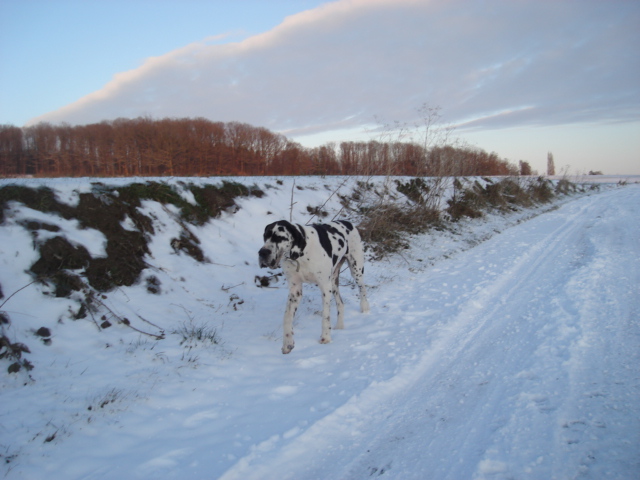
{"x":528,"y":367}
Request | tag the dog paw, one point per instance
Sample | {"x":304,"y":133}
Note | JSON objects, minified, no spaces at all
{"x":287,"y":348}
{"x":364,"y":307}
{"x":325,"y":339}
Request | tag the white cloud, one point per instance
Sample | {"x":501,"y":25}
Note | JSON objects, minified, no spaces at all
{"x":488,"y":64}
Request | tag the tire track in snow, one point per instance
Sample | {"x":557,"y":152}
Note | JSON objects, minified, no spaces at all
{"x":484,"y":358}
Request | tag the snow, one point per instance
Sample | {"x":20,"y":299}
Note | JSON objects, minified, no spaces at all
{"x":507,"y":347}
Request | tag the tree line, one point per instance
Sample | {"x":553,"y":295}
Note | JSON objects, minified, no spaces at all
{"x":200,"y":147}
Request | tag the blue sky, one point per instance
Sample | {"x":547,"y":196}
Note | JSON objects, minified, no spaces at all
{"x":520,"y":78}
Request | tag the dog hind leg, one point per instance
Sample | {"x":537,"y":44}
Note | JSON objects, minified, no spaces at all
{"x":336,"y":294}
{"x":357,"y":272}
{"x":326,"y":312}
{"x":355,"y":258}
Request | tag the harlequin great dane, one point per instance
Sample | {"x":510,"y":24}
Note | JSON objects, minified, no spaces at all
{"x":314,"y":254}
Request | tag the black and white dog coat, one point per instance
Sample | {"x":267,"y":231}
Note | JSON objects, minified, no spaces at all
{"x":314,"y":254}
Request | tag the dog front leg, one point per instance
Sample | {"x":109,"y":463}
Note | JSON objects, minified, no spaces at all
{"x":295,"y":294}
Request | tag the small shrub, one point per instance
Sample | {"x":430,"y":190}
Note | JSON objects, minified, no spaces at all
{"x":416,"y":189}
{"x":541,"y":190}
{"x":465,"y":202}
{"x":385,"y":227}
{"x":565,"y":187}
{"x":109,"y":397}
{"x":463,"y":206}
{"x":317,"y":212}
{"x":13,"y":351}
{"x":514,"y":193}
{"x":192,"y":333}
{"x":491,"y":193}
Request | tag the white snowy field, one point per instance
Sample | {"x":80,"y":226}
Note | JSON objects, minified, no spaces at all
{"x":508,"y":348}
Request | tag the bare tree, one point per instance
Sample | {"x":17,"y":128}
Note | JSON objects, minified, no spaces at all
{"x":183,"y":146}
{"x":551,"y":167}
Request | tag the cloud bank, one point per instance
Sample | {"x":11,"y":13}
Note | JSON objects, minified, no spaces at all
{"x":488,"y":64}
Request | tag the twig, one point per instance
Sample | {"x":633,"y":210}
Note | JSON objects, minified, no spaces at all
{"x":226,"y":289}
{"x":292,"y":202}
{"x":403,"y":257}
{"x":187,"y":312}
{"x":157,"y":337}
{"x":22,"y":288}
{"x":222,"y":265}
{"x":329,"y":198}
{"x":339,"y":212}
{"x":125,"y":321}
{"x":88,"y":307}
{"x":150,"y":323}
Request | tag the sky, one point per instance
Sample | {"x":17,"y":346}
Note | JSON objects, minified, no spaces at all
{"x":520,"y":78}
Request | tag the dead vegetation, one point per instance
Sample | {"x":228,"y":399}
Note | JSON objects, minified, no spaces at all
{"x":106,"y":208}
{"x":388,"y":220}
{"x":471,"y":198}
{"x":70,"y":271}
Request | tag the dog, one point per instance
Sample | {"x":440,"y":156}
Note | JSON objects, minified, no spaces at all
{"x":314,"y":254}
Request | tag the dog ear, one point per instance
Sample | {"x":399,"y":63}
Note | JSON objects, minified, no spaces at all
{"x":267,"y":231}
{"x":299,"y":242}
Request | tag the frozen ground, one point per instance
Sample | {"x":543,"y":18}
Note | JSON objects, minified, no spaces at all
{"x":508,"y":348}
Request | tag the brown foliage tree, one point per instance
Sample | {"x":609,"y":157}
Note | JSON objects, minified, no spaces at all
{"x":183,"y":147}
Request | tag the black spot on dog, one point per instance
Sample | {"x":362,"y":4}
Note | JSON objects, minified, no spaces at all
{"x":348,"y":225}
{"x":324,"y":231}
{"x":323,"y":236}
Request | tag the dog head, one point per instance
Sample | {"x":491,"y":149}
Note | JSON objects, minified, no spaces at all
{"x":281,"y":239}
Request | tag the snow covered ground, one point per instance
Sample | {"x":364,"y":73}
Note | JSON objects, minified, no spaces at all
{"x":506,"y":348}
